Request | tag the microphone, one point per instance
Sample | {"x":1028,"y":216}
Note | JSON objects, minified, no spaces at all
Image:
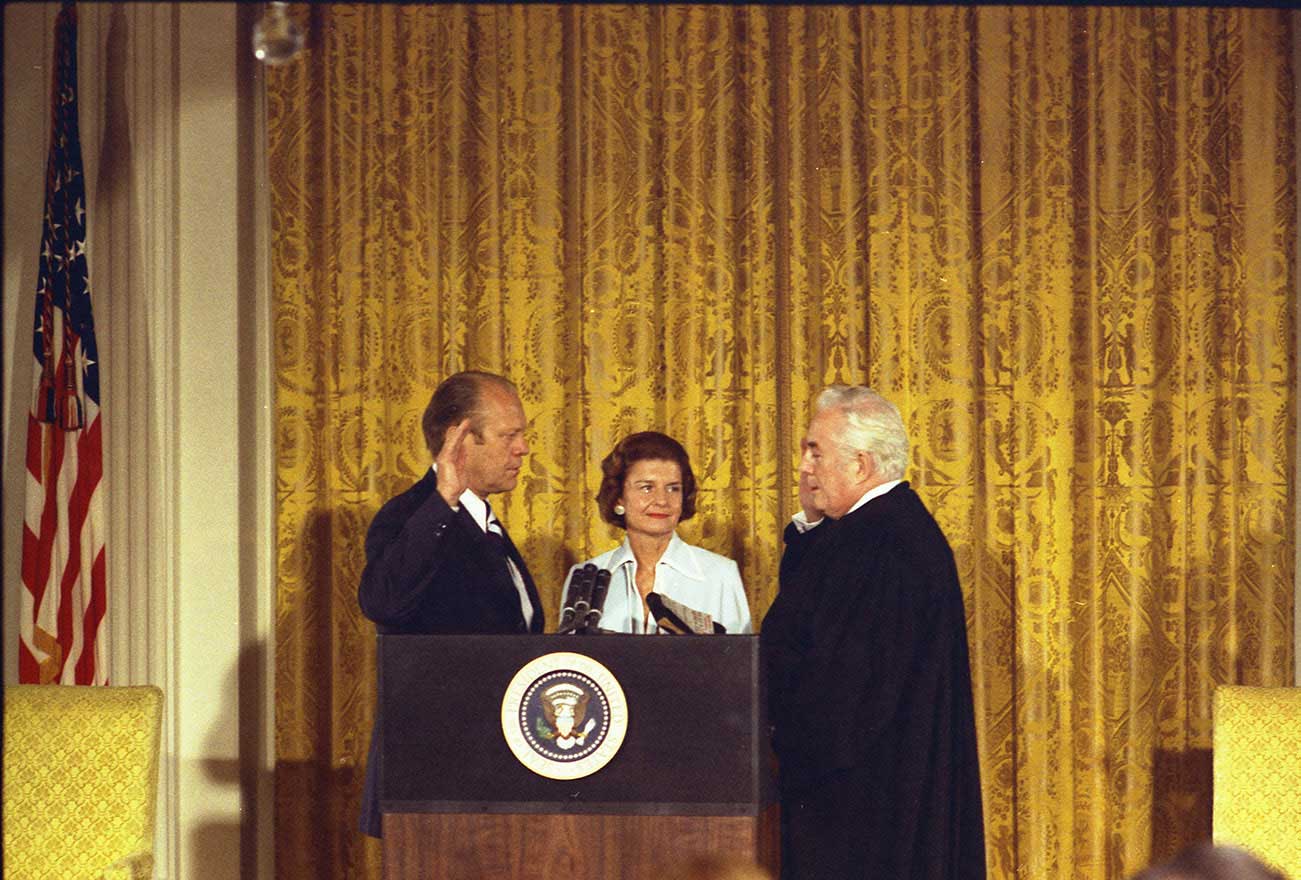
{"x":573,"y":593}
{"x":578,"y":599}
{"x":583,"y":593}
{"x":600,"y":588}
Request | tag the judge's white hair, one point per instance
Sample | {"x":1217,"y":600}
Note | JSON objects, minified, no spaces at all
{"x":872,"y":425}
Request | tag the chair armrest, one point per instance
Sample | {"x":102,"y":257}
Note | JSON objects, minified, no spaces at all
{"x":137,"y":866}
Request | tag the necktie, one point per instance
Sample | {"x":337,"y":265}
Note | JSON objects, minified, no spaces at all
{"x":497,"y":538}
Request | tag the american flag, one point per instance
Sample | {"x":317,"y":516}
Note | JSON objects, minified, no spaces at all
{"x":64,"y":596}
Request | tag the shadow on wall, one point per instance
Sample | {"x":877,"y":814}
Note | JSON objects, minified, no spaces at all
{"x":324,"y":699}
{"x":1181,"y":800}
{"x":227,"y":848}
{"x":312,"y":796}
{"x":316,"y":802}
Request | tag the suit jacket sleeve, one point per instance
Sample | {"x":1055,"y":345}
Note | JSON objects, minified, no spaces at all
{"x":406,"y":548}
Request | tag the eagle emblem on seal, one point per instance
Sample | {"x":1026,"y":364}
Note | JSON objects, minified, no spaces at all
{"x":564,"y":707}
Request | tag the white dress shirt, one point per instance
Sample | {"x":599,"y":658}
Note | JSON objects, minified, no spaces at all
{"x":693,"y":576}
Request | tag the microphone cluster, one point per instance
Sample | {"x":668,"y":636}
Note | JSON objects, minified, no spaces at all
{"x":584,"y":600}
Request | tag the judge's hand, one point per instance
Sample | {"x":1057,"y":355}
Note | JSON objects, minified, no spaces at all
{"x":812,"y":513}
{"x":452,"y":478}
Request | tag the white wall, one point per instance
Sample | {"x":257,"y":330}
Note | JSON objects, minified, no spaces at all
{"x":171,"y":126}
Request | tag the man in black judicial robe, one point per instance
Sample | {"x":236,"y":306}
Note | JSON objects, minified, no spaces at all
{"x":868,"y":678}
{"x":437,"y":560}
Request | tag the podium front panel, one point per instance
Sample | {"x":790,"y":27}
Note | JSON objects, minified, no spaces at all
{"x":696,"y":742}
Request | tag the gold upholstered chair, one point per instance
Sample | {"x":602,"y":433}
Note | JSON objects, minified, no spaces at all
{"x":1257,"y":773}
{"x":80,"y":781}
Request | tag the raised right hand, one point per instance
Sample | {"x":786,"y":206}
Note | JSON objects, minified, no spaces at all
{"x":812,"y":513}
{"x":452,"y":478}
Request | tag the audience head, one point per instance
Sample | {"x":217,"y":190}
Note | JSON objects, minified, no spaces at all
{"x":1205,"y":861}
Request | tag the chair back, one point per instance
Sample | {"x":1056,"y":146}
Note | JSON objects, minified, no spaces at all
{"x":1257,"y":773}
{"x":80,"y":780}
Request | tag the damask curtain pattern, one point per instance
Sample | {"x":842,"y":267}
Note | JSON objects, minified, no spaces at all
{"x":1061,"y":239}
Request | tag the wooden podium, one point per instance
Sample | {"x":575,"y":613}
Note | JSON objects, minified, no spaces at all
{"x":694,"y":773}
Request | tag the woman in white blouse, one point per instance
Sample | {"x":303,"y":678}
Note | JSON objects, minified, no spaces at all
{"x":646,"y":489}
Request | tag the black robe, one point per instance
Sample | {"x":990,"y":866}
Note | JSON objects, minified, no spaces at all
{"x":870,"y":700}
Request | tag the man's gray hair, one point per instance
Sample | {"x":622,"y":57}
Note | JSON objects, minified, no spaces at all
{"x":872,"y":425}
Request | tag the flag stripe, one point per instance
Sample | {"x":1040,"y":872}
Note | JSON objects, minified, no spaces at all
{"x":35,"y":449}
{"x":74,"y":601}
{"x":28,"y":669}
{"x":46,"y":518}
{"x":70,"y":605}
{"x":91,"y":657}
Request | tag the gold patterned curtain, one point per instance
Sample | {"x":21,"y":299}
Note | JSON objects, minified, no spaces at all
{"x":1061,"y":239}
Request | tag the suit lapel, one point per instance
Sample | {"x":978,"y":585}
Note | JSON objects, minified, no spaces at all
{"x":529,"y":586}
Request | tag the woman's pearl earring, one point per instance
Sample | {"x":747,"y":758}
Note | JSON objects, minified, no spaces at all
{"x":619,"y":510}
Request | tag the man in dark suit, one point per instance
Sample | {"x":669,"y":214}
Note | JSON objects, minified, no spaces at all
{"x":866,"y":653}
{"x":437,"y":559}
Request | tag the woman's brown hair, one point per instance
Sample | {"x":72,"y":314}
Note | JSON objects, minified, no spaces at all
{"x":643,"y":446}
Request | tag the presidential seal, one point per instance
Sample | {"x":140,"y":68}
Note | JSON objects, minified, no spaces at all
{"x":564,"y":715}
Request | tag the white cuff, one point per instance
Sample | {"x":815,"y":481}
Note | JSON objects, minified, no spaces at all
{"x":802,"y":523}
